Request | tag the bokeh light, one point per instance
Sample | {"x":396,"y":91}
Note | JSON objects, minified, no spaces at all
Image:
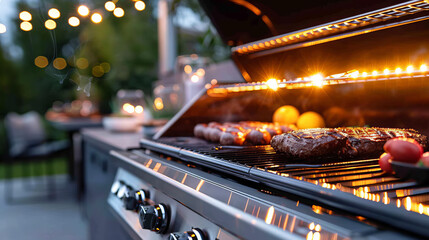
{"x":83,"y":10}
{"x":138,"y":109}
{"x":188,"y":69}
{"x":25,"y":16}
{"x":59,"y":63}
{"x":195,"y":78}
{"x":41,"y":61}
{"x":110,"y":6}
{"x":159,"y":105}
{"x":96,"y":18}
{"x":118,"y":12}
{"x":50,"y":24}
{"x":97,"y":71}
{"x":82,"y":63}
{"x":106,"y":67}
{"x":3,"y":28}
{"x":26,"y":26}
{"x":74,"y":21}
{"x":200,"y":72}
{"x":139,"y":5}
{"x":54,"y":13}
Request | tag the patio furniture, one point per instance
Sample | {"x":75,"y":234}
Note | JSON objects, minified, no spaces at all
{"x":28,"y":142}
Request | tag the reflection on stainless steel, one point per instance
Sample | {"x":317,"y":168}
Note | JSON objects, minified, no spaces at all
{"x":399,"y":10}
{"x":362,"y":178}
{"x":267,"y":213}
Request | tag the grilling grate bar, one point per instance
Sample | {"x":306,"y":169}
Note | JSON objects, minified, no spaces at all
{"x":362,"y":178}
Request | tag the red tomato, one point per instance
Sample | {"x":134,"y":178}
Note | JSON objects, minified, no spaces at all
{"x":425,"y":159}
{"x":384,"y":163}
{"x":404,"y":149}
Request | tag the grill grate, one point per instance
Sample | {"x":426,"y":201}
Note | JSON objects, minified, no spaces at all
{"x":362,"y":178}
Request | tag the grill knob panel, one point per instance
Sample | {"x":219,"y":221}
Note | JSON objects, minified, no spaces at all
{"x":154,"y":218}
{"x":133,"y":199}
{"x":194,"y":234}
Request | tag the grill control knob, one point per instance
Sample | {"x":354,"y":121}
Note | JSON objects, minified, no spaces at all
{"x":122,"y":190}
{"x":116,"y":186}
{"x":194,"y":234}
{"x":154,"y":218}
{"x":133,"y":199}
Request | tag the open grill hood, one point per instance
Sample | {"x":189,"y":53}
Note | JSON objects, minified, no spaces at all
{"x":294,"y":39}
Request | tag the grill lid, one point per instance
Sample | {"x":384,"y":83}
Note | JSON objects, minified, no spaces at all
{"x":296,"y":39}
{"x":241,"y":21}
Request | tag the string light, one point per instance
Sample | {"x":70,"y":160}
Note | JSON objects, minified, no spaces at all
{"x":139,"y":5}
{"x":110,"y":6}
{"x":410,"y":69}
{"x":54,"y":13}
{"x":374,"y":73}
{"x":96,"y":18}
{"x":50,"y":24}
{"x":83,"y":10}
{"x":74,"y":21}
{"x":423,"y":68}
{"x":25,"y":16}
{"x":41,"y":61}
{"x":118,"y":12}
{"x":364,"y":74}
{"x":26,"y":26}
{"x":59,"y":63}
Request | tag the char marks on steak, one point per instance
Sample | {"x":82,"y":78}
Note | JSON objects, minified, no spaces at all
{"x":340,"y":142}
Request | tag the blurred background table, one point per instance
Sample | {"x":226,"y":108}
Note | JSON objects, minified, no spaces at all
{"x":72,"y":126}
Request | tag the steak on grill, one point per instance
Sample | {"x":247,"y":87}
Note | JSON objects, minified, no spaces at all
{"x":340,"y":142}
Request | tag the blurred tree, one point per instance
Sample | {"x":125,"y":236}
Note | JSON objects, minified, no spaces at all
{"x":119,"y":52}
{"x":48,"y":82}
{"x":208,"y":43}
{"x":130,"y":46}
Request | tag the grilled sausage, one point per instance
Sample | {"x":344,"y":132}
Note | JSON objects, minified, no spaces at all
{"x":214,"y":134}
{"x":199,"y":130}
{"x":258,"y":137}
{"x":232,"y":138}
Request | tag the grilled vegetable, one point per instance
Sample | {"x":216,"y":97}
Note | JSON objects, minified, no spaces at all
{"x":425,"y":159}
{"x":384,"y":162}
{"x":404,"y":149}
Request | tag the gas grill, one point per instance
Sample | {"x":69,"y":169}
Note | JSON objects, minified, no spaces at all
{"x":357,"y":62}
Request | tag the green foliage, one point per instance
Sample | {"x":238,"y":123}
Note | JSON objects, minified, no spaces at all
{"x":35,"y":168}
{"x":129,"y":44}
{"x":208,"y":44}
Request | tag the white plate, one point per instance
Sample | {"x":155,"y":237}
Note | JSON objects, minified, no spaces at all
{"x":121,"y":124}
